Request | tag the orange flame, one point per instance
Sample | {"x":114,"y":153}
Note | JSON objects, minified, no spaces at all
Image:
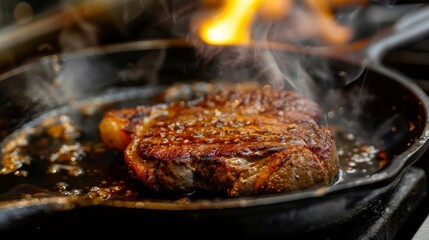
{"x":233,"y":23}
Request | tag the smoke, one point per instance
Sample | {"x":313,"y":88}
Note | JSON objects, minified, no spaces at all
{"x":286,"y":51}
{"x":300,"y":47}
{"x":293,"y":44}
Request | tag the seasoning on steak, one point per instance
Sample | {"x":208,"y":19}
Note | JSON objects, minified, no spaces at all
{"x":236,"y":143}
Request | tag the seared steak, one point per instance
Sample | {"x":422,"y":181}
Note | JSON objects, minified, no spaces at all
{"x":235,"y":143}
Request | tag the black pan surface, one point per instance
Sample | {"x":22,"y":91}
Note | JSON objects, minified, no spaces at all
{"x":384,"y":116}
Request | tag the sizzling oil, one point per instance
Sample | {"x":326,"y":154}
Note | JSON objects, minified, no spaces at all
{"x":60,"y":153}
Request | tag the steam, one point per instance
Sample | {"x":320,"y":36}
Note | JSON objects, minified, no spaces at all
{"x":288,"y":48}
{"x":292,"y":45}
{"x":291,"y":41}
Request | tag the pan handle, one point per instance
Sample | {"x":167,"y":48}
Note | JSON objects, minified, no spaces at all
{"x":409,"y":28}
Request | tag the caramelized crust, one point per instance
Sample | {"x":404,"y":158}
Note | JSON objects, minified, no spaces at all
{"x":236,"y":143}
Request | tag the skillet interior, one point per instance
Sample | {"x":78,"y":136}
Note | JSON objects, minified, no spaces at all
{"x":386,"y":111}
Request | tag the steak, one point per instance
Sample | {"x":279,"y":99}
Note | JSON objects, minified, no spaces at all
{"x":235,"y":143}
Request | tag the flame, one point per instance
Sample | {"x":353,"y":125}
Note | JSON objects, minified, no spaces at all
{"x":330,"y":30}
{"x":232,"y":25}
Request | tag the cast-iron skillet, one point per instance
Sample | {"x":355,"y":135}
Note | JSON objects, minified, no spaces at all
{"x":380,"y":108}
